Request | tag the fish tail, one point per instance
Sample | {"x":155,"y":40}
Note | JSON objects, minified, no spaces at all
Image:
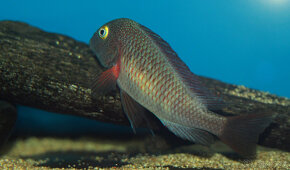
{"x":241,"y":133}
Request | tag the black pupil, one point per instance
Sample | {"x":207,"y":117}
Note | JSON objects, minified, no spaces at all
{"x":102,"y":32}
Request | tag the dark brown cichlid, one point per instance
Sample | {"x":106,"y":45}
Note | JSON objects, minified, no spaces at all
{"x":152,"y":76}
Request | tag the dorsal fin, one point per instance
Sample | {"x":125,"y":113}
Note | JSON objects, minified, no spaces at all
{"x":191,"y":80}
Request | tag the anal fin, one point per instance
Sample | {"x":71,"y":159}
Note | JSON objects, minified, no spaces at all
{"x":190,"y":133}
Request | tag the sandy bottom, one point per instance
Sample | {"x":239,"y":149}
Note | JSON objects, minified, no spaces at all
{"x":92,"y":153}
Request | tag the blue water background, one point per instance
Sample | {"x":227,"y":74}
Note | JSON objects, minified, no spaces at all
{"x":244,"y":42}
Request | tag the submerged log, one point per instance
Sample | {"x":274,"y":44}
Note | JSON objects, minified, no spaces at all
{"x":52,"y":72}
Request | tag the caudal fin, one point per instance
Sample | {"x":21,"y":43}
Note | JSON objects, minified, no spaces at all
{"x":241,"y":133}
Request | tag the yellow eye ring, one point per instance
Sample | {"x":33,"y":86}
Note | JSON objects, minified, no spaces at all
{"x":103,"y":32}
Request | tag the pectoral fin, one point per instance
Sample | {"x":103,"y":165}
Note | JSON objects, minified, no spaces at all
{"x":106,"y":81}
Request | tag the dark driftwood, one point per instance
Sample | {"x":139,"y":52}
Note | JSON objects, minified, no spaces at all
{"x":51,"y":72}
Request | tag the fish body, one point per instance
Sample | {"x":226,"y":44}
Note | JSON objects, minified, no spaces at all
{"x":151,"y":75}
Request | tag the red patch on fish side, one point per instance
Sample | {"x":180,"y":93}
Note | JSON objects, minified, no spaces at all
{"x":116,"y":70}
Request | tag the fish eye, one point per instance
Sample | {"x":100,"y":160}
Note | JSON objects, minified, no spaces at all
{"x":103,"y":32}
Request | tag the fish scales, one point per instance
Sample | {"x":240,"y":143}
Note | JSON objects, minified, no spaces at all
{"x":157,"y":75}
{"x":150,"y":75}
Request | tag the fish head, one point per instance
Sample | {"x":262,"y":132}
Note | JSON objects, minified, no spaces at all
{"x":108,"y":41}
{"x":104,"y":43}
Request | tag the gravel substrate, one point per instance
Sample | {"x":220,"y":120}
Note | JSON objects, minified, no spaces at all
{"x":88,"y":153}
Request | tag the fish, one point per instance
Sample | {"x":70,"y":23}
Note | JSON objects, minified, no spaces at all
{"x":151,"y":76}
